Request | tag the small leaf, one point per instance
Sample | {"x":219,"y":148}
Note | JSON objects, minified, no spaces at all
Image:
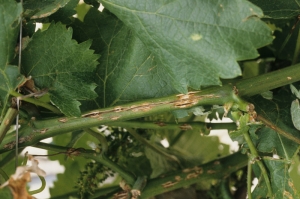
{"x":295,"y":91}
{"x":268,"y":140}
{"x":10,"y":77}
{"x":278,"y":9}
{"x":242,"y":123}
{"x":65,"y":13}
{"x":10,"y":12}
{"x":281,"y":183}
{"x":193,"y":39}
{"x":267,"y":95}
{"x":58,"y":63}
{"x":295,"y":111}
{"x":36,"y":9}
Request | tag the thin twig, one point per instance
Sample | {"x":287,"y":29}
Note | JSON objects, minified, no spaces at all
{"x":19,"y":66}
{"x":285,"y":134}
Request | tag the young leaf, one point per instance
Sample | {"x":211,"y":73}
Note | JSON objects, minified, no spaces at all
{"x":295,"y":111}
{"x":36,"y":9}
{"x":281,"y":183}
{"x":127,"y":70}
{"x":65,"y":13}
{"x":10,"y":77}
{"x":295,"y":91}
{"x":59,"y":64}
{"x":278,"y":9}
{"x":197,"y":42}
{"x":268,"y":140}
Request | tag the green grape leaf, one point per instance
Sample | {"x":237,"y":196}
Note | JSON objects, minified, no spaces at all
{"x":159,"y":163}
{"x":242,"y":127}
{"x":217,"y":112}
{"x":277,"y":111}
{"x":295,"y":111}
{"x":281,"y":183}
{"x":278,"y":9}
{"x":295,"y":91}
{"x":65,"y":13}
{"x":10,"y":77}
{"x":10,"y":12}
{"x":59,"y":64}
{"x":36,"y":9}
{"x":193,"y":39}
{"x":188,"y":150}
{"x":127,"y":70}
{"x":285,"y":40}
{"x":69,"y":177}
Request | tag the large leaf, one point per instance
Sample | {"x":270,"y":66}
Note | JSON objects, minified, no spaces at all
{"x":128,"y":71}
{"x":278,"y":112}
{"x":196,"y":41}
{"x":10,"y":77}
{"x":58,"y":63}
{"x":36,"y":9}
{"x":281,"y":183}
{"x":279,"y":9}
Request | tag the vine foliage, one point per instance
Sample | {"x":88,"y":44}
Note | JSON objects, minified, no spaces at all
{"x":128,"y":90}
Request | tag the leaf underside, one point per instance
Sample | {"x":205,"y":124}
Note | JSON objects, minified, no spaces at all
{"x":36,"y":9}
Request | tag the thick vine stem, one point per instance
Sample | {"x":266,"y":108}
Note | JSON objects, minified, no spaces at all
{"x":210,"y":96}
{"x":259,"y":84}
{"x":215,"y":169}
{"x":184,"y":126}
{"x":48,"y":128}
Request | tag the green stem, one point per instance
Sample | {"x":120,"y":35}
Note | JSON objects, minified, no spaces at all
{"x":259,"y":84}
{"x":285,"y":134}
{"x":138,"y":186}
{"x":153,"y":147}
{"x":254,"y":153}
{"x":52,"y":127}
{"x":4,"y":175}
{"x":224,"y":189}
{"x":97,"y":194}
{"x":43,"y":186}
{"x":90,"y":154}
{"x":101,"y":138}
{"x":209,"y":96}
{"x":216,"y":169}
{"x":249,"y":179}
{"x":37,"y":102}
{"x":297,"y":49}
{"x":7,"y":121}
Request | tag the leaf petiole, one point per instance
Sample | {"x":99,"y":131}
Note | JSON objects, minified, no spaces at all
{"x":36,"y":102}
